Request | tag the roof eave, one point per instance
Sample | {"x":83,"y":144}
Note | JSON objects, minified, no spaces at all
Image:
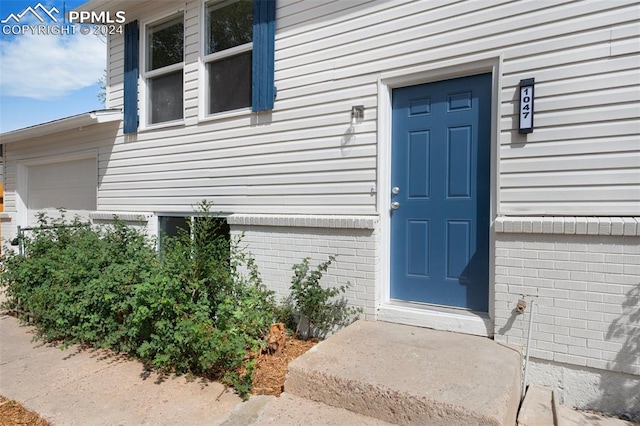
{"x":61,"y":125}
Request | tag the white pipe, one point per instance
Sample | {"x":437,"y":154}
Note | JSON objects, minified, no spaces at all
{"x":526,"y":361}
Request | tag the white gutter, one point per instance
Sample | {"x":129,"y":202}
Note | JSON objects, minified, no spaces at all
{"x":61,"y":125}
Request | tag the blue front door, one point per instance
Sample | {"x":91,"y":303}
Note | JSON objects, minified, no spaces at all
{"x":440,"y":198}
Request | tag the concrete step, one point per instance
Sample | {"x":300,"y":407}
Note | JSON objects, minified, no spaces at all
{"x":537,"y":408}
{"x":540,"y":407}
{"x":410,"y":375}
{"x":292,"y":410}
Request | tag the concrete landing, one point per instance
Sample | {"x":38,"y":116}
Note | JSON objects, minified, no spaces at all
{"x":409,"y":375}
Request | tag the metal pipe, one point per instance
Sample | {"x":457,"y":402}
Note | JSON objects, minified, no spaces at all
{"x":20,"y":249}
{"x":526,"y":361}
{"x":19,"y":240}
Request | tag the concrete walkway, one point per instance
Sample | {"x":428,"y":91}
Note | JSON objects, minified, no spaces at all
{"x":368,"y":374}
{"x":540,"y":408}
{"x":90,"y":388}
{"x":87,"y":387}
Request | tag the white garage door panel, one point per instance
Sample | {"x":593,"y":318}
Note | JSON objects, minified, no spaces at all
{"x":71,"y":185}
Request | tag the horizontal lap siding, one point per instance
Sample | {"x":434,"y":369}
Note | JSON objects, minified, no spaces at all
{"x":191,"y":71}
{"x":583,"y":157}
{"x":300,"y":158}
{"x":115,"y":70}
{"x":303,"y":157}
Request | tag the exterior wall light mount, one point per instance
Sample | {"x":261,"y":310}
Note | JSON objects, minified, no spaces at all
{"x":357,"y":114}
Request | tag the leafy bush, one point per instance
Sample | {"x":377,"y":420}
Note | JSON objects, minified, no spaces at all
{"x":73,"y":281}
{"x":189,"y":309}
{"x":198,"y":307}
{"x":319,"y":306}
{"x":200,"y":314}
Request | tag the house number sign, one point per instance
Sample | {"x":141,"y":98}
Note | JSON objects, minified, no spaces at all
{"x":526,"y":106}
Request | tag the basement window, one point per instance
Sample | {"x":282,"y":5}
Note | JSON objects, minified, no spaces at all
{"x":174,"y":226}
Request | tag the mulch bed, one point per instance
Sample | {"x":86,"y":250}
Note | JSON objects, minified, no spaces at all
{"x":271,"y":369}
{"x":14,"y":414}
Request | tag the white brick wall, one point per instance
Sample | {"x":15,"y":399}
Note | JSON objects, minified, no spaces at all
{"x":586,"y":290}
{"x":583,"y":275}
{"x":277,"y":248}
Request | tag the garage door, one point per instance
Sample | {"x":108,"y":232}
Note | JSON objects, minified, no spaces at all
{"x":71,"y":185}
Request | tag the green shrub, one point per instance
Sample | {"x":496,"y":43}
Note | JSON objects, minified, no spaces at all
{"x":319,"y":306}
{"x":198,"y":307}
{"x":74,"y":279}
{"x":201,"y":314}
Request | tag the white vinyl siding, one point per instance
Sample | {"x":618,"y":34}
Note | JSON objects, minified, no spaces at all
{"x":115,"y":73}
{"x":191,"y":66}
{"x":582,"y":158}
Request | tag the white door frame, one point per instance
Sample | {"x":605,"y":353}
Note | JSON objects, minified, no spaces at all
{"x":449,"y":319}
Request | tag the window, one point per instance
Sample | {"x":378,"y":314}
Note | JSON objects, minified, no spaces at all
{"x":164,"y":64}
{"x":170,"y":226}
{"x":174,"y":226}
{"x":239,"y":55}
{"x":228,"y":55}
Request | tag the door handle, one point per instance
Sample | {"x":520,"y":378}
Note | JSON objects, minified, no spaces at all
{"x":395,"y":205}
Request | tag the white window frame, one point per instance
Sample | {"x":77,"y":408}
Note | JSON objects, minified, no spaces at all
{"x":206,"y":59}
{"x":146,"y":76}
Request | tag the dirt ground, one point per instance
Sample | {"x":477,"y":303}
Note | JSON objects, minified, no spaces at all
{"x":271,"y":371}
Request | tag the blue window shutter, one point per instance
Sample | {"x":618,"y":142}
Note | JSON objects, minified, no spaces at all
{"x":130,"y":109}
{"x":263,"y":78}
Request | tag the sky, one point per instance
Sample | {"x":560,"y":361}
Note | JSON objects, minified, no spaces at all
{"x":46,"y":77}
